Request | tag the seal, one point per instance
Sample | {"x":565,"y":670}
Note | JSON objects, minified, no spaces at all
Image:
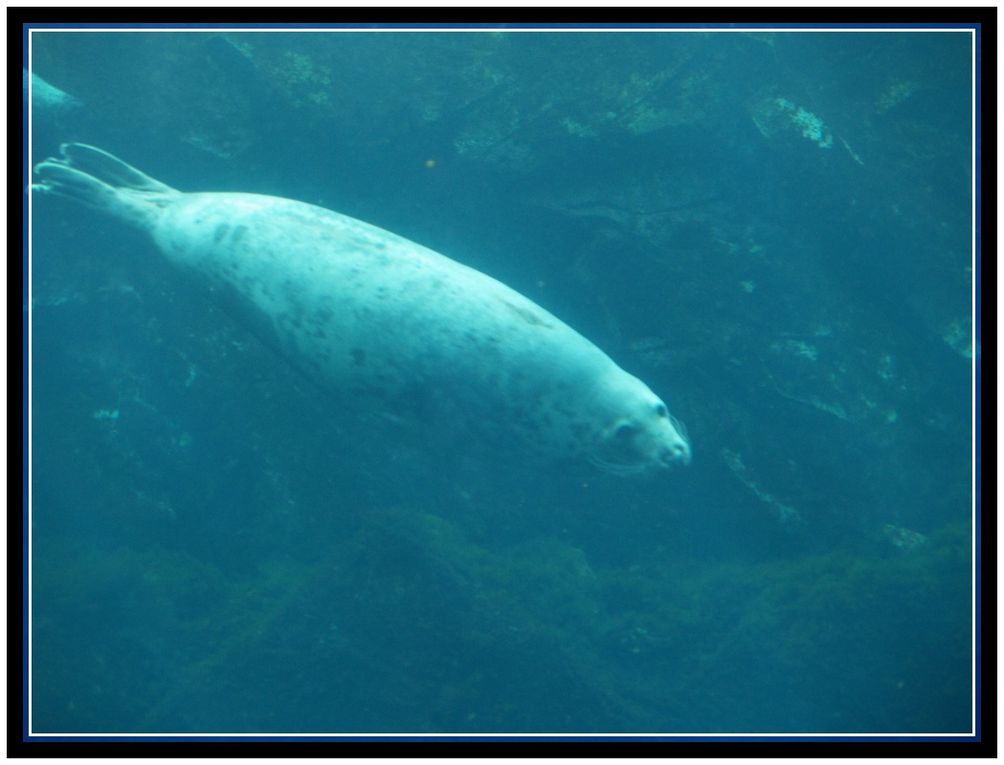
{"x":375,"y":317}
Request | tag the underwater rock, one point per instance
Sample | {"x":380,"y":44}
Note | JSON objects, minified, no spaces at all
{"x":902,"y":538}
{"x":47,"y":100}
{"x":779,"y":115}
{"x":53,"y":111}
{"x":957,"y":336}
{"x":782,"y":512}
{"x":897,"y":92}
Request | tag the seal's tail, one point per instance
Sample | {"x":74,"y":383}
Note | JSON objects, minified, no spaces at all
{"x":96,"y":178}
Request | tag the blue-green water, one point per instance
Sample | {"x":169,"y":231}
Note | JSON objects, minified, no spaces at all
{"x":772,"y":230}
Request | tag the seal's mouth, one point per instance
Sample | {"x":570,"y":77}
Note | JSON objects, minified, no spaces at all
{"x":670,"y":457}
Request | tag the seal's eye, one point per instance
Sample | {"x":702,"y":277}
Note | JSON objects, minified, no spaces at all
{"x":625,"y":431}
{"x":661,"y":411}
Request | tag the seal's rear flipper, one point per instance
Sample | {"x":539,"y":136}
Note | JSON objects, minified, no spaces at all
{"x":96,"y":178}
{"x":57,"y":177}
{"x":109,"y":168}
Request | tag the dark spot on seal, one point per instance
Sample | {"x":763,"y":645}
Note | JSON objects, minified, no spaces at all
{"x":238,"y":233}
{"x":527,"y":315}
{"x":219,"y":232}
{"x":358,"y":356}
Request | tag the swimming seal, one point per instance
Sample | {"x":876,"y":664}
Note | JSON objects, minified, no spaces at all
{"x":369,"y":314}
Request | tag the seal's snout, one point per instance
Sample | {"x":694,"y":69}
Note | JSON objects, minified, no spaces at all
{"x":676,"y":454}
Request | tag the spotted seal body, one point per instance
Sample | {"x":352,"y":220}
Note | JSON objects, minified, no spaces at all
{"x":367,"y":313}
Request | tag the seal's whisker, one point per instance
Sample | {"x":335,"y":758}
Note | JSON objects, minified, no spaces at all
{"x":615,"y":468}
{"x":680,"y":428}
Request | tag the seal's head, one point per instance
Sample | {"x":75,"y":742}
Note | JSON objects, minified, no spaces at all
{"x":639,"y":434}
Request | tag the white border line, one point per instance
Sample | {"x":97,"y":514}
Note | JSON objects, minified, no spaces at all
{"x":31,"y":440}
{"x":973,"y":351}
{"x":507,"y":30}
{"x":501,"y":29}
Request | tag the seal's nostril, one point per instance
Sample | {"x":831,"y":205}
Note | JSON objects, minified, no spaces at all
{"x":674,"y":454}
{"x":677,"y":453}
